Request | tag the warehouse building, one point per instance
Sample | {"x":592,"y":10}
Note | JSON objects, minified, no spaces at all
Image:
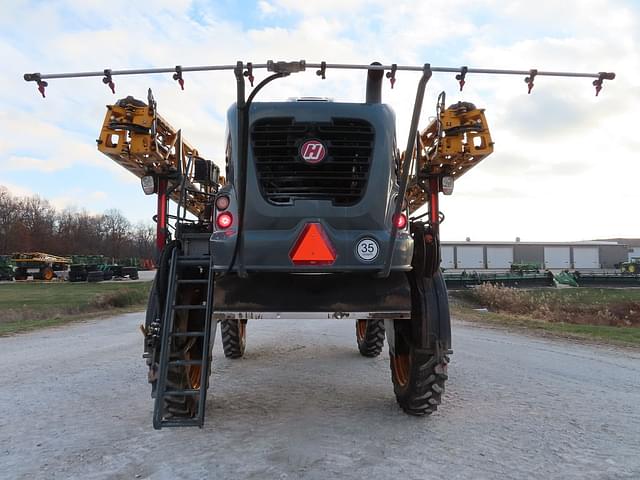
{"x":632,"y":243}
{"x":590,"y":255}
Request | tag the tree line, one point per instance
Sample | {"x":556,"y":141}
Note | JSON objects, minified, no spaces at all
{"x":32,"y":224}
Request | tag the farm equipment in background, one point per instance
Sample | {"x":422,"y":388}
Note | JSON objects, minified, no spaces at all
{"x":118,"y":272}
{"x":83,"y":264}
{"x":565,"y":277}
{"x":97,"y":268}
{"x":516,"y":279}
{"x":6,"y":268}
{"x":42,"y":266}
{"x":632,"y":266}
{"x":525,"y":267}
{"x":463,"y":280}
{"x":318,"y":215}
{"x":606,"y":279}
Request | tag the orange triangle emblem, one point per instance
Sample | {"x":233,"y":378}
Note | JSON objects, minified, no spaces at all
{"x":313,"y":247}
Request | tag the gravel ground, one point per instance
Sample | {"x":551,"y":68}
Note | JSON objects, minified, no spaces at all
{"x":304,"y":404}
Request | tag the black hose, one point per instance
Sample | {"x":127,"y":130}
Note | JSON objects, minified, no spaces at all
{"x":243,"y":143}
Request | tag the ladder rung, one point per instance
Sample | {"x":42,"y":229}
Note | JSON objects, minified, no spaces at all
{"x":185,"y":363}
{"x":187,"y":422}
{"x":189,"y":307}
{"x":178,"y":393}
{"x":162,"y":418}
{"x":187,"y":334}
{"x":204,"y":261}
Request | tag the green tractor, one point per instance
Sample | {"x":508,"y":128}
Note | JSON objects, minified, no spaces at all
{"x":632,"y":266}
{"x":6,"y":268}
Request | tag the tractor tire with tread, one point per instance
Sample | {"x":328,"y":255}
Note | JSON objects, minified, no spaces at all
{"x":370,"y":337}
{"x":181,"y":377}
{"x":419,"y":374}
{"x":234,"y":337}
{"x":419,"y":391}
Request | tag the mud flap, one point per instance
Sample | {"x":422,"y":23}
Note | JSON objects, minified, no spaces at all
{"x":430,"y":317}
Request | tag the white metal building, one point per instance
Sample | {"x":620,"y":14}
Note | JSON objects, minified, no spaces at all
{"x":589,"y":255}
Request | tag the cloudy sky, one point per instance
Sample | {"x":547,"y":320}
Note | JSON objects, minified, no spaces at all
{"x":566,"y":164}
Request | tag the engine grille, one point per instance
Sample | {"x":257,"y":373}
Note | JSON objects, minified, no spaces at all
{"x":284,"y":177}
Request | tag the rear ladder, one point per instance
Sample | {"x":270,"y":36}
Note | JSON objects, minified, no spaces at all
{"x":169,"y":335}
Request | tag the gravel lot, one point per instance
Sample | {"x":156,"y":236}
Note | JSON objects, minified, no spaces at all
{"x":304,"y":404}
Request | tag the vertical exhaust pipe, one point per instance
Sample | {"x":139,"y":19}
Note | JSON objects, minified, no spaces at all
{"x":374,"y":85}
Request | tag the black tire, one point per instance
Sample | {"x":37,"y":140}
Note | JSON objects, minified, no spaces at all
{"x":95,"y":276}
{"x":234,"y":337}
{"x":74,"y":276}
{"x":20,"y":274}
{"x":370,"y":337}
{"x":155,"y":307}
{"x":186,"y":377}
{"x":47,"y":274}
{"x":152,"y":316}
{"x":418,"y":373}
{"x":181,"y":348}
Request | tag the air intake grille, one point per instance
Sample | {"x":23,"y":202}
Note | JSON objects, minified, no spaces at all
{"x":284,"y":176}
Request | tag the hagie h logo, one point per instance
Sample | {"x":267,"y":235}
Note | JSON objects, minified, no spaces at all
{"x":313,"y":151}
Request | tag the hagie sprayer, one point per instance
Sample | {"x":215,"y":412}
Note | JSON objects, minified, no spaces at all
{"x":318,"y":215}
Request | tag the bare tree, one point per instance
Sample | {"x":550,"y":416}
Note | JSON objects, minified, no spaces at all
{"x":32,"y":224}
{"x":116,"y":230}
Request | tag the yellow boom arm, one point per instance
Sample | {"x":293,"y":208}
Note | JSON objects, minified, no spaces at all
{"x":136,"y":137}
{"x":454,"y":142}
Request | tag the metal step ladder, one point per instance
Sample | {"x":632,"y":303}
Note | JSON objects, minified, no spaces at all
{"x":169,"y":335}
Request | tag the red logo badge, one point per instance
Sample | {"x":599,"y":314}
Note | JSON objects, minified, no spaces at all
{"x":313,"y":151}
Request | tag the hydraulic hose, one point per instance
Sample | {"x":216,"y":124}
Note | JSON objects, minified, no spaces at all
{"x":243,"y":142}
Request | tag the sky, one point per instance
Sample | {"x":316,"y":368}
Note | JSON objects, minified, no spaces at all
{"x":565,"y":167}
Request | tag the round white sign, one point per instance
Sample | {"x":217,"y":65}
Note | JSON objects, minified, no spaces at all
{"x":367,"y":249}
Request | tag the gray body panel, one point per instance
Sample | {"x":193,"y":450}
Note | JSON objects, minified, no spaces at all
{"x":270,"y":231}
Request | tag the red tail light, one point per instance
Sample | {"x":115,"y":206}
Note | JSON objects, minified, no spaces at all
{"x":224,"y":220}
{"x":400,"y":221}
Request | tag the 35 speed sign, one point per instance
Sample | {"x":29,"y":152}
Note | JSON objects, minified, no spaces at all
{"x":367,"y":249}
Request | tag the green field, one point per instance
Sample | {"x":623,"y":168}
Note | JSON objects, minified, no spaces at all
{"x":590,"y":296}
{"x":25,"y":306}
{"x":602,"y":314}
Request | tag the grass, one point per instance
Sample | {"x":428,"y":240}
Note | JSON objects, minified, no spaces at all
{"x":26,"y":306}
{"x":605,"y":315}
{"x":591,"y":296}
